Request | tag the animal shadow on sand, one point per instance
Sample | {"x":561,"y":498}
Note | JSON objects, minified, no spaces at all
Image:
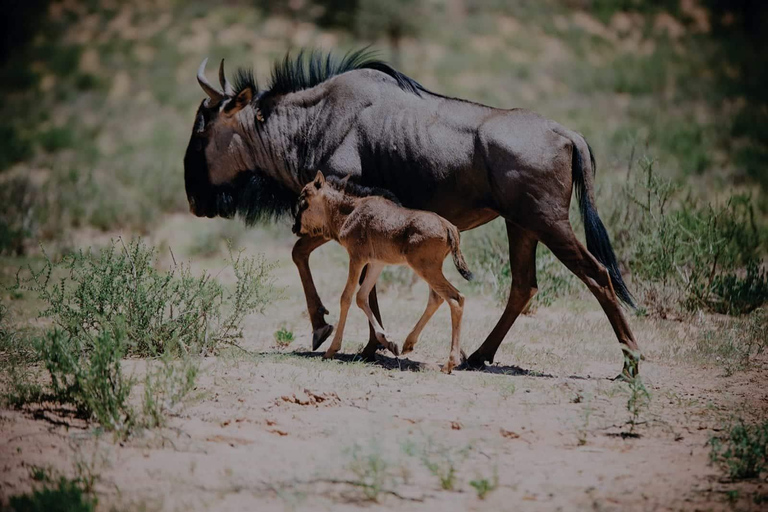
{"x":407,"y":365}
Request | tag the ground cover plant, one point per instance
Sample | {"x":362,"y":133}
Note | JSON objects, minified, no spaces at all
{"x":743,"y":451}
{"x":117,"y":304}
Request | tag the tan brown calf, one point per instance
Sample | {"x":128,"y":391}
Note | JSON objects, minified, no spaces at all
{"x":377,"y":232}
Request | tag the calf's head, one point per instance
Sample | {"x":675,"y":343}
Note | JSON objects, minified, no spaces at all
{"x":312,"y":215}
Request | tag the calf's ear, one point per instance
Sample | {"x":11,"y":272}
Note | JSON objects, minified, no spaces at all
{"x":319,"y":179}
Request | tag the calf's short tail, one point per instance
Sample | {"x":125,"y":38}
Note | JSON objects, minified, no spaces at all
{"x":458,"y":258}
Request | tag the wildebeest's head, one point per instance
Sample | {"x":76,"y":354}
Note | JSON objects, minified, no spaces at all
{"x":217,"y":155}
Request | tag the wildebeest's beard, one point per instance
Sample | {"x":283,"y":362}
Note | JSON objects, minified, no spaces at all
{"x":253,"y":195}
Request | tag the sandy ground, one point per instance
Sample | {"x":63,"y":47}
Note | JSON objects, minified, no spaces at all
{"x":280,"y":429}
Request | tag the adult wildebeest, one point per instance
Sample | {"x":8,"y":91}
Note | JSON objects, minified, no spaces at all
{"x":252,"y":150}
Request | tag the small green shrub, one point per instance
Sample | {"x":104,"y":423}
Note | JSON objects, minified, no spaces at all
{"x":86,"y":372}
{"x":283,"y":337}
{"x":442,"y":462}
{"x":687,"y":256}
{"x":638,"y":401}
{"x":371,"y":471}
{"x":56,"y":139}
{"x":64,"y":495}
{"x":743,"y":451}
{"x":119,"y":304}
{"x":171,"y":312}
{"x":483,"y":486}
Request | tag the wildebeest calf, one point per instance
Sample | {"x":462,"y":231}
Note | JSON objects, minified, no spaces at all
{"x":376,"y":231}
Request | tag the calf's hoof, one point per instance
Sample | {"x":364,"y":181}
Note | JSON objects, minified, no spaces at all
{"x":329,"y":354}
{"x":447,"y":368}
{"x":320,"y":335}
{"x":393,"y":348}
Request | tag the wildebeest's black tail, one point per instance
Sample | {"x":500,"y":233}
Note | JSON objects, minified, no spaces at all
{"x":458,"y":258}
{"x":598,"y":242}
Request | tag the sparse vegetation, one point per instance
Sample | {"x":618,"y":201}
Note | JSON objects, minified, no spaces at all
{"x":371,"y":471}
{"x":733,"y":343}
{"x":118,"y":304}
{"x":684,"y":255}
{"x":743,"y":451}
{"x":637,"y":403}
{"x":54,"y":495}
{"x":442,"y":462}
{"x":283,"y":337}
{"x":172,"y":312}
{"x":483,"y":485}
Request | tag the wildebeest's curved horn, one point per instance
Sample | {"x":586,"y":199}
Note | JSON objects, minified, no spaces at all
{"x":213,"y":93}
{"x":228,"y":89}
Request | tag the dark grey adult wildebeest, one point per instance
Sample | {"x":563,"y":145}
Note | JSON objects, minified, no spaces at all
{"x":252,"y":150}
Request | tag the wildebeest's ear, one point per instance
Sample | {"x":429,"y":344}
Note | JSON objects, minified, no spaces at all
{"x":319,"y":179}
{"x":244,"y":98}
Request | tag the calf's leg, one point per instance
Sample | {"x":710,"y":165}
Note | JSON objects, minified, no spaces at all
{"x":355,"y":267}
{"x":433,"y":275}
{"x":373,"y":270}
{"x":433,"y":304}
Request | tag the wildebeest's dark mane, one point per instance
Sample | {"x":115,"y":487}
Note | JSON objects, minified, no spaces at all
{"x":308,"y":69}
{"x":357,"y":190}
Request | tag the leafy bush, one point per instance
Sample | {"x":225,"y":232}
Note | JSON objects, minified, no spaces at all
{"x":743,"y":452}
{"x":162,"y":312}
{"x":86,"y":372}
{"x":687,"y":255}
{"x":64,"y":495}
{"x":119,"y":304}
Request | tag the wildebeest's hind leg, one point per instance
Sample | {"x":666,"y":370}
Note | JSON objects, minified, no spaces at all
{"x":433,"y":304}
{"x":434,"y":277}
{"x":563,"y":243}
{"x":372,"y":272}
{"x":355,"y":267}
{"x":522,"y":264}
{"x":301,"y":251}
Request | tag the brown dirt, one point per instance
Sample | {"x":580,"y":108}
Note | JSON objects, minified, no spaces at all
{"x":283,"y":430}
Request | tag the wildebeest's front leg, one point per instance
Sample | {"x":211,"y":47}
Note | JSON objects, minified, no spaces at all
{"x":301,"y":251}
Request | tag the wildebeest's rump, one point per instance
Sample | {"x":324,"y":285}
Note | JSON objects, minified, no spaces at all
{"x":376,"y":231}
{"x":253,"y":149}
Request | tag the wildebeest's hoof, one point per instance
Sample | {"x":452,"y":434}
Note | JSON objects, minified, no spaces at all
{"x":320,"y":335}
{"x":476,"y":362}
{"x":393,"y":348}
{"x":323,"y":311}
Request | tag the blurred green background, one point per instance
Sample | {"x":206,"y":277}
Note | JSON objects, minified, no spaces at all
{"x":99,"y":95}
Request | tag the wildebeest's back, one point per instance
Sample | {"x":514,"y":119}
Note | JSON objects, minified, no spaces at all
{"x":381,"y":230}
